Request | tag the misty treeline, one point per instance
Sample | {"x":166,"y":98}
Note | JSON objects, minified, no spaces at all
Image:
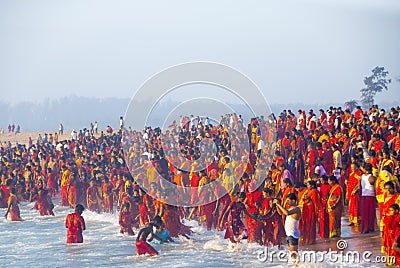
{"x":78,"y":112}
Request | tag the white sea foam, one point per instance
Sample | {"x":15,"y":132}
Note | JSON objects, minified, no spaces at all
{"x":41,"y":242}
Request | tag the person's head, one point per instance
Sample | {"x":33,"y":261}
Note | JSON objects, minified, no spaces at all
{"x":129,"y":190}
{"x":79,"y":209}
{"x":157,"y":221}
{"x":368,"y":168}
{"x":332,"y":180}
{"x":266,"y":192}
{"x":354,"y":166}
{"x":281,"y":167}
{"x":311,"y":184}
{"x":12,"y":191}
{"x":125,"y":207}
{"x":324,"y":179}
{"x":389,"y":187}
{"x":394,"y":209}
{"x":160,"y":228}
{"x":241,"y":196}
{"x":287,"y":183}
{"x":268,"y":182}
{"x":291,"y":199}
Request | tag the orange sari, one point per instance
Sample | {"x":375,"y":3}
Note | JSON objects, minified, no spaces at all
{"x":335,"y":207}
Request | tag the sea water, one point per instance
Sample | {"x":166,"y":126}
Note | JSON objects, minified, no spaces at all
{"x":40,"y":241}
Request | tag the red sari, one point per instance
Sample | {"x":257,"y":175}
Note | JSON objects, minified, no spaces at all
{"x":254,"y":227}
{"x":173,"y":223}
{"x":125,"y":222}
{"x":391,"y":222}
{"x":267,"y":228}
{"x":44,"y":204}
{"x":75,"y":224}
{"x":323,"y":211}
{"x":389,"y":225}
{"x":353,"y":196}
{"x":335,"y":207}
{"x":235,"y":226}
{"x":309,"y":216}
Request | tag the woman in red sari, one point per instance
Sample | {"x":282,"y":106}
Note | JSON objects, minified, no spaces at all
{"x":253,"y":205}
{"x":235,"y":229}
{"x":335,"y":207}
{"x":267,"y":228}
{"x":389,"y":216}
{"x":353,"y":194}
{"x":323,"y":212}
{"x":309,"y":213}
{"x":173,"y":223}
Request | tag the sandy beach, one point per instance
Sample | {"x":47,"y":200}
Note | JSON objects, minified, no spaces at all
{"x":22,"y":138}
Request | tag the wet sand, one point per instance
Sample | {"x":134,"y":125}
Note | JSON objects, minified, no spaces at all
{"x":354,"y":242}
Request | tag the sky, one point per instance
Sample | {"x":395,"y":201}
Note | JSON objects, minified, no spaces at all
{"x":295,"y":51}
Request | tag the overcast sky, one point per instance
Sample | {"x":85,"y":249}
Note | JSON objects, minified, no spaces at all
{"x":296,"y":51}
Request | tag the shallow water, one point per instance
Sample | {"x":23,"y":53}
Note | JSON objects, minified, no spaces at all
{"x":41,"y":242}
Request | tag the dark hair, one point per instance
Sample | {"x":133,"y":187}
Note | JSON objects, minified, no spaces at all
{"x":241,"y":195}
{"x":267,"y":191}
{"x":292,"y":196}
{"x":333,"y":179}
{"x":368,"y":167}
{"x":313,"y":183}
{"x":288,"y":181}
{"x":157,"y":221}
{"x":79,"y":208}
{"x":395,"y":206}
{"x":390,"y":184}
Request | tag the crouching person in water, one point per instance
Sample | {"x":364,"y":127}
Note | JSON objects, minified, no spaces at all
{"x":76,"y":225}
{"x":142,"y":245}
{"x":163,"y":235}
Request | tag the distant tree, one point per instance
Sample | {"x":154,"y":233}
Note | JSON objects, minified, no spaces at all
{"x":351,"y":104}
{"x":374,"y":84}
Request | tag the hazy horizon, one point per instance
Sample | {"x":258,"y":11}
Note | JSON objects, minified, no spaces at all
{"x":295,"y":51}
{"x":77,"y":112}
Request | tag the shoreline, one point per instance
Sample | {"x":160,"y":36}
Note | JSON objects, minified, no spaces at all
{"x":23,"y":137}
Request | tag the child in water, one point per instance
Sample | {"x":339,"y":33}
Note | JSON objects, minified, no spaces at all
{"x":163,"y":234}
{"x":142,"y":245}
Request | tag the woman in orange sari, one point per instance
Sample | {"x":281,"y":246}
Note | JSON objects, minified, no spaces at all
{"x":13,"y":208}
{"x":353,"y":194}
{"x":335,"y":207}
{"x":309,"y":213}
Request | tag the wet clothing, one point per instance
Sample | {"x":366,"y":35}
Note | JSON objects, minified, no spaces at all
{"x":75,"y":224}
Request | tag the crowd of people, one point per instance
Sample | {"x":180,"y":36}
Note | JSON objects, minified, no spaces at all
{"x":287,"y":177}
